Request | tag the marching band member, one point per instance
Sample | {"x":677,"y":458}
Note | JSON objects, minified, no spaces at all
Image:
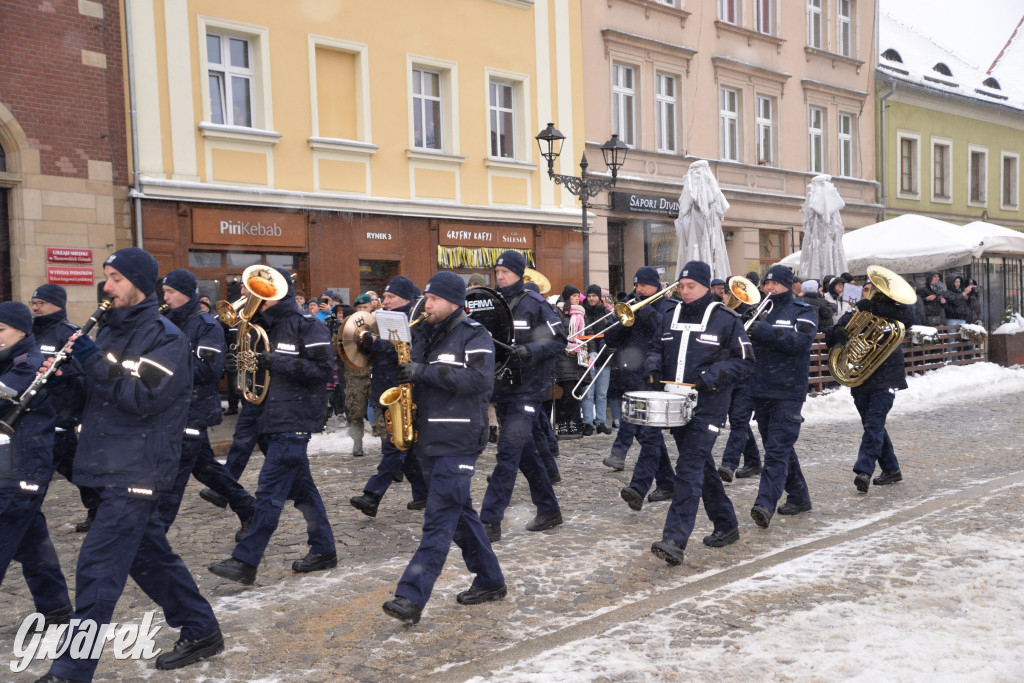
{"x":138,"y":387}
{"x":26,"y":465}
{"x":782,"y":341}
{"x":452,"y":375}
{"x":539,"y":338}
{"x":399,"y":295}
{"x":52,"y":330}
{"x":631,"y":345}
{"x":299,"y":363}
{"x":206,"y":338}
{"x":874,"y":398}
{"x":700,"y":343}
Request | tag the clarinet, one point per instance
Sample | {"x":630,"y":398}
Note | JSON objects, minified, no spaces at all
{"x":7,"y":426}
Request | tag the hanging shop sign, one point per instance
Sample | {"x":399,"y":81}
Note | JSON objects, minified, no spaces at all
{"x":240,"y":228}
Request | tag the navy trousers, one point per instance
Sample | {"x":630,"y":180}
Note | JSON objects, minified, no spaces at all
{"x":245,"y":439}
{"x":449,"y":516}
{"x":65,"y":443}
{"x":25,"y":538}
{"x":392,"y":462}
{"x":517,"y":450}
{"x":653,"y":462}
{"x":218,"y":478}
{"x":875,"y":446}
{"x":779,"y":422}
{"x":285,"y":476}
{"x":128,"y":539}
{"x":741,"y":436}
{"x":697,"y":479}
{"x":547,"y":456}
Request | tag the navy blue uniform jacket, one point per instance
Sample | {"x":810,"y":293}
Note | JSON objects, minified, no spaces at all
{"x":29,"y":456}
{"x":453,"y":389}
{"x":721,"y":354}
{"x":892,"y":373}
{"x":300,"y":365}
{"x":206,"y":337}
{"x":52,"y":332}
{"x":538,"y":328}
{"x":134,"y":416}
{"x":782,"y":341}
{"x":634,"y":342}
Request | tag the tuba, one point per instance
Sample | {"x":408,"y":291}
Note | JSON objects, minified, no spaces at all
{"x":400,"y":417}
{"x":263,"y":284}
{"x":537,"y":278}
{"x":872,"y":337}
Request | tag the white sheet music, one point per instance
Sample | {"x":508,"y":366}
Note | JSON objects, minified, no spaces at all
{"x":393,"y":326}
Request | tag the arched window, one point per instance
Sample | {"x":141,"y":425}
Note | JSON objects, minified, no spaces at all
{"x":991,"y":83}
{"x":892,"y":55}
{"x":942,"y":69}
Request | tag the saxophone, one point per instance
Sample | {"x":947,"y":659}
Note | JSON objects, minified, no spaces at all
{"x":400,"y":417}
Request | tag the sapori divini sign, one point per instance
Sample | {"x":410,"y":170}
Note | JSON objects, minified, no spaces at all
{"x":631,"y":202}
{"x":237,"y":227}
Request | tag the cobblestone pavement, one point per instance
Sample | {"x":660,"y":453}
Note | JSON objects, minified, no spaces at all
{"x":591,"y":584}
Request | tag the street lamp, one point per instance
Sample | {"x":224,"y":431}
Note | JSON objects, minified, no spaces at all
{"x":585,"y":186}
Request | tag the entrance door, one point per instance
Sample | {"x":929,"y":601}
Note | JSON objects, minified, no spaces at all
{"x":375,"y":275}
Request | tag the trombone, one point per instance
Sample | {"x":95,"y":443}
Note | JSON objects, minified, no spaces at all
{"x":626,"y":315}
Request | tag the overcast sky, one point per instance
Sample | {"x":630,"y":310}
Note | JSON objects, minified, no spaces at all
{"x":975,"y":29}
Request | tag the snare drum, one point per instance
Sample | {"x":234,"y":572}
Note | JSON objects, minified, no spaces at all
{"x":659,"y":408}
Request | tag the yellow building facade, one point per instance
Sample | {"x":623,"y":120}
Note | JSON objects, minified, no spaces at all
{"x":352,"y":141}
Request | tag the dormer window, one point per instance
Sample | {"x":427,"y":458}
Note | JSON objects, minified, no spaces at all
{"x":942,"y":69}
{"x":991,"y":83}
{"x":892,"y":55}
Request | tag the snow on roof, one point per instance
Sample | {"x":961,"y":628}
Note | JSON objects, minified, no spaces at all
{"x":908,"y":53}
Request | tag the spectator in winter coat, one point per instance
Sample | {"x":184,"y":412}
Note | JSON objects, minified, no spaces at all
{"x":834,"y":295}
{"x":957,"y":310}
{"x":826,"y":311}
{"x":570,"y":366}
{"x":934,"y":296}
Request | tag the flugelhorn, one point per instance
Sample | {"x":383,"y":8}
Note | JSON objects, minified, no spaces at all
{"x":871,"y":337}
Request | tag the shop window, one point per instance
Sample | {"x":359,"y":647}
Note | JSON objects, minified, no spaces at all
{"x":205,"y":259}
{"x":236,"y":259}
{"x":772,"y":249}
{"x":286,"y":261}
{"x":662,"y":247}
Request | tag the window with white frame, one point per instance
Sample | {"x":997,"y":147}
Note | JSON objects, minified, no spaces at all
{"x":667,"y":3}
{"x":977,"y":160}
{"x":727,"y":11}
{"x":728,"y":106}
{"x":815,"y":139}
{"x":909,"y":164}
{"x":624,"y":103}
{"x":763,"y":130}
{"x":814,"y":21}
{"x":230,"y":72}
{"x":502,"y":119}
{"x":942,"y":151}
{"x":765,"y":22}
{"x":426,"y":109}
{"x":1010,"y":180}
{"x":666,"y":112}
{"x":846,"y":145}
{"x":844,"y":27}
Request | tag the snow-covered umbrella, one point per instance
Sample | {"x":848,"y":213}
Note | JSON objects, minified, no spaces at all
{"x":699,"y":226}
{"x":823,"y":251}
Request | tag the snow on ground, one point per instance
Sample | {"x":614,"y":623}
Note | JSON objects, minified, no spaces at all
{"x":946,"y":386}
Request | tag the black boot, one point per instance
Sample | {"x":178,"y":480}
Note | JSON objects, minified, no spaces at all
{"x":314,"y":563}
{"x":190,"y":651}
{"x":403,"y":609}
{"x":236,"y":570}
{"x":366,"y":503}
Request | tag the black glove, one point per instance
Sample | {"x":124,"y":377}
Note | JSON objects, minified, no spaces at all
{"x":409,"y":372}
{"x":230,"y":362}
{"x":522,"y":354}
{"x":866,"y":305}
{"x":265,"y":361}
{"x":753,"y":328}
{"x":700,"y":384}
{"x":838,"y":336}
{"x":366,"y":340}
{"x":653,"y":378}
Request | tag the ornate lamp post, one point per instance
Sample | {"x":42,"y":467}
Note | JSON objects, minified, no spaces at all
{"x":585,"y":186}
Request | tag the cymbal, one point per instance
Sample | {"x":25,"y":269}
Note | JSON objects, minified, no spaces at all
{"x":348,"y":339}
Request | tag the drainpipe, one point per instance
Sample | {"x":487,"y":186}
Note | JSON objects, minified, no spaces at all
{"x":133,"y":115}
{"x":885,"y":165}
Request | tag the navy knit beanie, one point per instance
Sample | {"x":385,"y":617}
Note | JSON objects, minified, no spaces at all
{"x":646,"y":275}
{"x":513,"y":260}
{"x":698,"y":271}
{"x":781,"y":274}
{"x":54,"y":294}
{"x":16,"y":314}
{"x":448,"y":286}
{"x":183,"y":281}
{"x":137,"y":265}
{"x":403,"y":287}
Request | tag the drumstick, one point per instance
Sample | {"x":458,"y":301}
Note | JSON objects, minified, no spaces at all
{"x":682,"y":384}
